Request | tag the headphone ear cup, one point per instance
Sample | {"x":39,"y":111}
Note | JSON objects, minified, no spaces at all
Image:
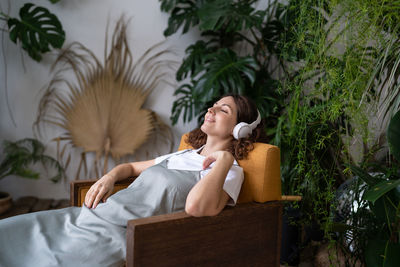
{"x":241,"y":130}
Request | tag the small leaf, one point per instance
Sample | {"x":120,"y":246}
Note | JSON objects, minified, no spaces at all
{"x":365,"y":176}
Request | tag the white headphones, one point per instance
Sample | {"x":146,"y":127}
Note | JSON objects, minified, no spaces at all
{"x":243,"y":130}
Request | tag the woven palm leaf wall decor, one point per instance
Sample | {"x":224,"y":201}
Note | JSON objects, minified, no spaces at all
{"x":102,"y":111}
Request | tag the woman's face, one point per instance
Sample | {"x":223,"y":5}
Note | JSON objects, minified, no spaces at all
{"x":221,"y":118}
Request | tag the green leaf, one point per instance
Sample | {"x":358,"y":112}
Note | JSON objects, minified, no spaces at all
{"x":37,"y":30}
{"x":26,"y":173}
{"x":168,"y":5}
{"x":183,"y":14}
{"x":225,"y":72}
{"x":21,"y":154}
{"x":228,"y":15}
{"x":393,"y":135}
{"x":183,"y":104}
{"x":365,"y":176}
{"x":380,"y":189}
{"x":382,"y":253}
{"x":194,"y":63}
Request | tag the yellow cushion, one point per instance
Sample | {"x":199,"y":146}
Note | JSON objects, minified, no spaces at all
{"x":262,"y":177}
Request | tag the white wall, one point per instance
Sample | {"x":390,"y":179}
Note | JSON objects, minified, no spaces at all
{"x":83,"y":21}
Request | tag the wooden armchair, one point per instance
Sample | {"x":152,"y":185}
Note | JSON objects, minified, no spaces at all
{"x":248,"y":234}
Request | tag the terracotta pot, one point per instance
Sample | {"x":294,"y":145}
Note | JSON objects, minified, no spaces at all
{"x":5,"y":202}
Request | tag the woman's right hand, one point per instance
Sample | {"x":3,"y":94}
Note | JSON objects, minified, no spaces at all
{"x":100,"y":191}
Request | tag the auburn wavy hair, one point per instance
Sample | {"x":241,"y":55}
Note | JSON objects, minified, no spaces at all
{"x":246,"y":112}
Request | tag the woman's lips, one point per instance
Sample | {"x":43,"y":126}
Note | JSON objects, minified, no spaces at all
{"x":209,"y":120}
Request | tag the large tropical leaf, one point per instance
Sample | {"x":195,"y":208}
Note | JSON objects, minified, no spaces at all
{"x":37,"y":30}
{"x":378,"y":190}
{"x":382,"y":253}
{"x":393,"y":135}
{"x":225,"y":72}
{"x":229,"y":15}
{"x":365,"y":176}
{"x":184,"y":103}
{"x":184,"y":13}
{"x":194,"y":63}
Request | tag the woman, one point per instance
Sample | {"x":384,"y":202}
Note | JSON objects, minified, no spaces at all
{"x":200,"y":181}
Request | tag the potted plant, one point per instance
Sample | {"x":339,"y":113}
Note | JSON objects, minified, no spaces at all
{"x":382,"y":193}
{"x":369,"y":221}
{"x":18,"y":157}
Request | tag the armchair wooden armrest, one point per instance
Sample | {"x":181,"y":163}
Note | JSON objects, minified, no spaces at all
{"x":245,"y":235}
{"x":79,"y":188}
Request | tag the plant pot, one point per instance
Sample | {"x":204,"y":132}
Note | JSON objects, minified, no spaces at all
{"x":5,"y":202}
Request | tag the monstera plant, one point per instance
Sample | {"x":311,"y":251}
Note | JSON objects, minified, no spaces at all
{"x":37,"y":29}
{"x":237,"y":54}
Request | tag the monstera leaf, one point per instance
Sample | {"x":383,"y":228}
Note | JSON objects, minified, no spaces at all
{"x":230,"y":15}
{"x":194,"y":63}
{"x":183,"y":13}
{"x":37,"y":30}
{"x":225,"y":71}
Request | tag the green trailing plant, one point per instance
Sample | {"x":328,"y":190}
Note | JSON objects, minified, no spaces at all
{"x":20,"y":155}
{"x":235,"y":54}
{"x":333,"y":92}
{"x":36,"y":29}
{"x":372,"y":229}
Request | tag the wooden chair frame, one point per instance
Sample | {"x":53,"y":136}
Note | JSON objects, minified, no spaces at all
{"x":248,"y":234}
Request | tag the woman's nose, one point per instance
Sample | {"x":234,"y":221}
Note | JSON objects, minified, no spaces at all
{"x":211,"y":110}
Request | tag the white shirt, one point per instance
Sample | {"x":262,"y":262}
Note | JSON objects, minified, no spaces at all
{"x":191,"y":160}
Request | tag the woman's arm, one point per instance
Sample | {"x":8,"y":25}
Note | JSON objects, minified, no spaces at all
{"x":207,"y":197}
{"x":104,"y":187}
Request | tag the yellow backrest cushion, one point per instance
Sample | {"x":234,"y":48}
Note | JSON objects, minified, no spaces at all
{"x":262,"y":177}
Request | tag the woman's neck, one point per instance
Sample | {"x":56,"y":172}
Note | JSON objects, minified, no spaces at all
{"x":214,"y":144}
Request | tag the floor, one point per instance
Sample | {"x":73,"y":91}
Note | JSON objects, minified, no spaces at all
{"x":31,"y":204}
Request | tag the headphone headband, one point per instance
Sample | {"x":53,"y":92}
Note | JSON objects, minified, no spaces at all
{"x":255,"y":123}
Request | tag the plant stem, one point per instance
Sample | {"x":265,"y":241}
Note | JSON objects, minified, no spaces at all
{"x":4,"y":16}
{"x":247,"y":39}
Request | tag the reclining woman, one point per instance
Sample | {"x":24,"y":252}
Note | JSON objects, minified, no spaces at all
{"x":201,"y":181}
